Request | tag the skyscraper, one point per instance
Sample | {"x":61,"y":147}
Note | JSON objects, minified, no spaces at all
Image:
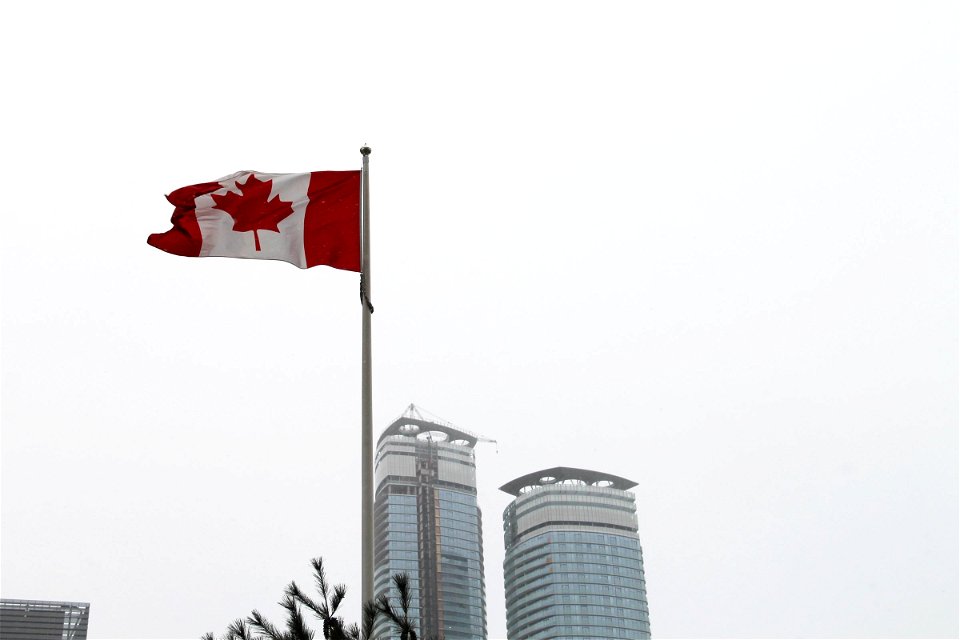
{"x":573,"y":566}
{"x":427,"y":525}
{"x":43,"y":620}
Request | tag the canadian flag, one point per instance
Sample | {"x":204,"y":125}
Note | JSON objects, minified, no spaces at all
{"x":306,"y":219}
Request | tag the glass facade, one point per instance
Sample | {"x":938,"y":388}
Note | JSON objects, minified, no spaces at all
{"x":43,"y":620}
{"x":460,"y":572}
{"x":427,"y":524}
{"x":573,"y":566}
{"x":396,"y":546}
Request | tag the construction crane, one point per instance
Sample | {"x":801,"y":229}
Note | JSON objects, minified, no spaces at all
{"x":414,"y":412}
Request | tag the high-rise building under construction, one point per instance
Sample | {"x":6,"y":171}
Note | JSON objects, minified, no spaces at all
{"x":427,"y":525}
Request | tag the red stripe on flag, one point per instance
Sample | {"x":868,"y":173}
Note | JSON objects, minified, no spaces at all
{"x":331,"y":226}
{"x":184,"y":238}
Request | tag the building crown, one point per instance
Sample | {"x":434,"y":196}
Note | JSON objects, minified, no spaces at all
{"x":566,"y":476}
{"x":412,"y":423}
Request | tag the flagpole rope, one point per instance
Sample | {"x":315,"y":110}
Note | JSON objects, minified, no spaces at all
{"x":363,"y":295}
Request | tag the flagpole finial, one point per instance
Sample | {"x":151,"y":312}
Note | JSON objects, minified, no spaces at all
{"x":364,"y":150}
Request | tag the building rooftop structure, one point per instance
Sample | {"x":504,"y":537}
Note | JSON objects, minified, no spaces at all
{"x":412,"y":423}
{"x":566,"y":476}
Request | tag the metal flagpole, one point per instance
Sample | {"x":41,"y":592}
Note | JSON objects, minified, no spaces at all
{"x":366,"y":468}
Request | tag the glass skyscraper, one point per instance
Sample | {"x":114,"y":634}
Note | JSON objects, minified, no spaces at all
{"x":573,"y":566}
{"x":427,"y":525}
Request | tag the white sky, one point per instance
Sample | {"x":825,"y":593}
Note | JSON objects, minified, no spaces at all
{"x":711,"y":247}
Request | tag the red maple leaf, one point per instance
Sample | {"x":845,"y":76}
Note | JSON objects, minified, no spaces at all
{"x":250,"y":210}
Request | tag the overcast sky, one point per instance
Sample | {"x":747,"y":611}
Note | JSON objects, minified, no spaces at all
{"x":710,"y":247}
